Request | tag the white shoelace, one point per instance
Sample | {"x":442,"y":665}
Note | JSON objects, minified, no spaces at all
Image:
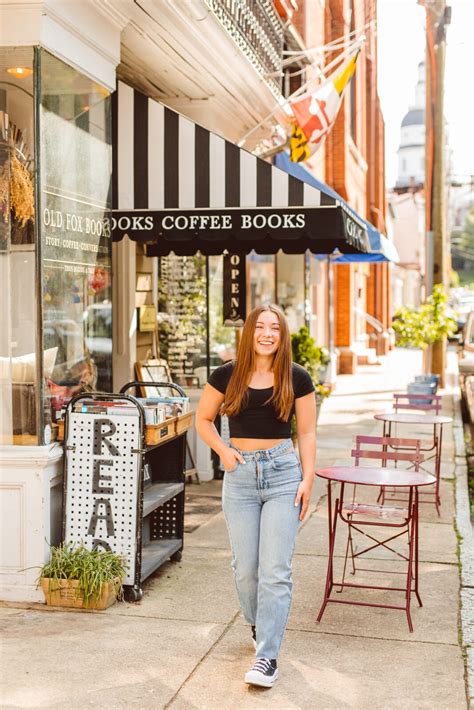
{"x":262,"y":665}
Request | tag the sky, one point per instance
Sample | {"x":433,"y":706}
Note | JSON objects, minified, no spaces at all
{"x":401,"y":46}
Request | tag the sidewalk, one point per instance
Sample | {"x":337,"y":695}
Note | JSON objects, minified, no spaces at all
{"x":185,"y":646}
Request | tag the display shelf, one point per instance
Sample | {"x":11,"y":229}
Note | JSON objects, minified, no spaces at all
{"x":155,"y":553}
{"x":158,"y":493}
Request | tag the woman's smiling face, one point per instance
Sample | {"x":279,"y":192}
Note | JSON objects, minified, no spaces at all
{"x":266,"y":337}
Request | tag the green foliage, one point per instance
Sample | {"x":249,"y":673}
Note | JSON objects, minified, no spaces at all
{"x":419,"y":328}
{"x":93,"y":568}
{"x":308,"y":354}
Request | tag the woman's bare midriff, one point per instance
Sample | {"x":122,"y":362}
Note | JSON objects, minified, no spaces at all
{"x":255,"y":444}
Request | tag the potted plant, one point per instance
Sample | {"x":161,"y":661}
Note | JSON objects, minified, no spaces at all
{"x":423,"y":326}
{"x":314,"y":359}
{"x":81,"y":578}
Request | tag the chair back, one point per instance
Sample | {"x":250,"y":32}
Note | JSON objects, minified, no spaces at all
{"x":419,"y":402}
{"x":382,"y":453}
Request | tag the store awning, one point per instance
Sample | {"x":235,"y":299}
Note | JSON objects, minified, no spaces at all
{"x":380,"y":248}
{"x":179,"y":187}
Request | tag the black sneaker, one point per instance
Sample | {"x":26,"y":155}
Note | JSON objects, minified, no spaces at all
{"x":254,"y":637}
{"x":264,"y":672}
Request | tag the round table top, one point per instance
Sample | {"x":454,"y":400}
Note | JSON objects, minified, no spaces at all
{"x":407,"y":418}
{"x":373,"y":476}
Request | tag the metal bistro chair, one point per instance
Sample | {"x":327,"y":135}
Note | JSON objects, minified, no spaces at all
{"x":401,"y":520}
{"x":415,"y":401}
{"x":412,"y":402}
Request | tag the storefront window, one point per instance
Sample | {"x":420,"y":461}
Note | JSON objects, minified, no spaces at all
{"x":260,"y":280}
{"x":222,"y":339}
{"x":75,"y":169}
{"x":291,"y":288}
{"x":18,"y":365}
{"x":182,"y":317}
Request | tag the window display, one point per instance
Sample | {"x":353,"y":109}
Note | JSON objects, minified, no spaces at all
{"x":18,"y":364}
{"x":260,"y":280}
{"x":291,"y":288}
{"x":182,"y":316}
{"x":76,"y":164}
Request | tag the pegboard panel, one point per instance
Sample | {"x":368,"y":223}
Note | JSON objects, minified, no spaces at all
{"x":165,"y":522}
{"x":102,"y":479}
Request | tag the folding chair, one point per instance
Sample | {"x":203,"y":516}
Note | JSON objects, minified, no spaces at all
{"x":430,"y":404}
{"x":418,"y":402}
{"x":402,"y":520}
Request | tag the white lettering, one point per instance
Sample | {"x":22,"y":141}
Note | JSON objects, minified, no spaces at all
{"x":226,"y":221}
{"x":300,"y":220}
{"x":149,"y":223}
{"x":214,"y":221}
{"x":235,"y":259}
{"x":274,"y":220}
{"x":235,"y":288}
{"x":259,"y":221}
{"x":181,"y":222}
{"x":246,"y":221}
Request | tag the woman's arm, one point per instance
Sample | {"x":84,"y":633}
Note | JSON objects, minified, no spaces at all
{"x":208,"y":408}
{"x":305,"y":409}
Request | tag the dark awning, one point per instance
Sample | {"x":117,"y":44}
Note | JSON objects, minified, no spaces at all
{"x":178,"y":187}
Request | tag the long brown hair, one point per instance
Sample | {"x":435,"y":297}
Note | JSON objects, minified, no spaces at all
{"x":283,"y":396}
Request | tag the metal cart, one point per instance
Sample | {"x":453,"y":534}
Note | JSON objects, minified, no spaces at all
{"x":119,"y":493}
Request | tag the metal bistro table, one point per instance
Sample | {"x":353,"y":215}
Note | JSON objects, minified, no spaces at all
{"x":372,"y":476}
{"x":437,"y":421}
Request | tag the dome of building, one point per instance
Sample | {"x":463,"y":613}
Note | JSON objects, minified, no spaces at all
{"x":414,"y":117}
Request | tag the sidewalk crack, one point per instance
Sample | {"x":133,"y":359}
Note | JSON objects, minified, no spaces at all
{"x":201,"y":660}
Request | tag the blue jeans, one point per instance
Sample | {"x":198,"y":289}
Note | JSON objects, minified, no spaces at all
{"x":258,"y":499}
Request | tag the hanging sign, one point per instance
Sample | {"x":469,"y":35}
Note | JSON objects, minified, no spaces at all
{"x":235,"y":290}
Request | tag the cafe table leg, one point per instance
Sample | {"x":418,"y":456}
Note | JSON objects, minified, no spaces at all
{"x":438,"y":448}
{"x":409,"y":575}
{"x":332,"y":523}
{"x":416,"y":533}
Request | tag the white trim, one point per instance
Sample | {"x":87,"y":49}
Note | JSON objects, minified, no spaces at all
{"x":248,"y":179}
{"x":156,"y":195}
{"x":311,"y":196}
{"x":186,"y":157}
{"x":216,"y":171}
{"x":125,"y":148}
{"x":279,"y":188}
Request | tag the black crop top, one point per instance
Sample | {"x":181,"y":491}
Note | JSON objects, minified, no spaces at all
{"x":259,"y":420}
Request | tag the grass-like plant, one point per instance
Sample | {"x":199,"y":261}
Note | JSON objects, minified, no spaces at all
{"x":92,"y":568}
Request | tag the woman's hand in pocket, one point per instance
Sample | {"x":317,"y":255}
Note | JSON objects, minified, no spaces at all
{"x":304,"y":495}
{"x":230,"y":458}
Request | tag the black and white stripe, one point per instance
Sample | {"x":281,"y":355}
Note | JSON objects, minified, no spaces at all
{"x":163,"y":160}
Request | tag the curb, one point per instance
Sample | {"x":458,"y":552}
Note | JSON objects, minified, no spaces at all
{"x":465,"y":547}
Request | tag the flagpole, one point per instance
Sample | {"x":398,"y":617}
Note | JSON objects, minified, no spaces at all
{"x":303,"y":89}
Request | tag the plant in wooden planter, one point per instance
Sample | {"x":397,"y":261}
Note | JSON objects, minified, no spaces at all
{"x":81,"y":578}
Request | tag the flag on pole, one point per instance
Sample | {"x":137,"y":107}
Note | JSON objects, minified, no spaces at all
{"x":316,"y":114}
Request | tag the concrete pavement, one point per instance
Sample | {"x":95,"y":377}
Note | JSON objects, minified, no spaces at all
{"x":186,"y":645}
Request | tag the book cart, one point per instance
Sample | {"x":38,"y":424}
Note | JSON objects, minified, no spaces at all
{"x":124,"y":481}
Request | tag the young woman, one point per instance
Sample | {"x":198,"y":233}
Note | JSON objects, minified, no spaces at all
{"x":266,"y":488}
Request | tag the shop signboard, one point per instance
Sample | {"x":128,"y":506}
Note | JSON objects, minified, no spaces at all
{"x":235,"y":290}
{"x":102,"y":482}
{"x":323,"y":227}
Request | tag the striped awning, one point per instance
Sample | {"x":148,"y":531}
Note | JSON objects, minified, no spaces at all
{"x":179,"y":187}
